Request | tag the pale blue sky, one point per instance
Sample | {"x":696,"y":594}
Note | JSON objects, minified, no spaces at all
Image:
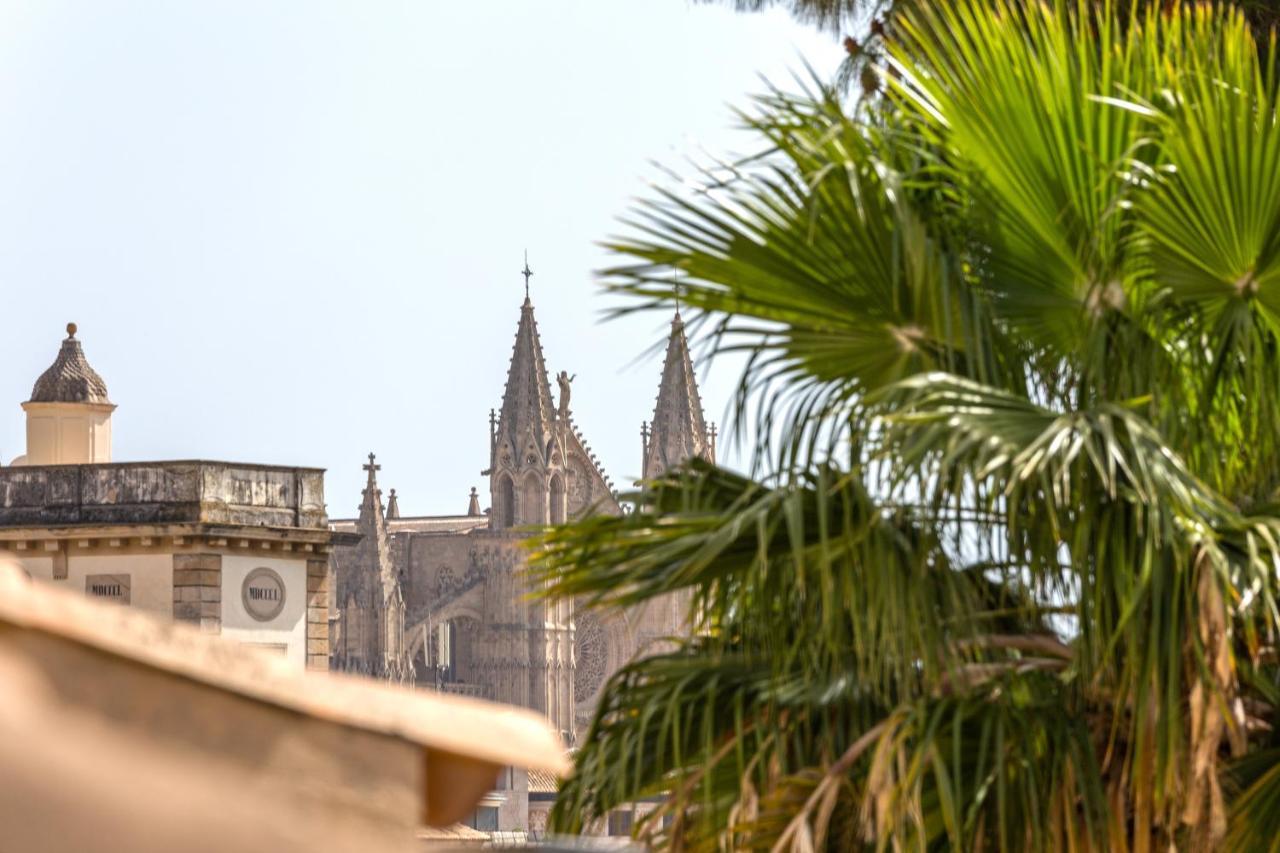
{"x":290,"y":232}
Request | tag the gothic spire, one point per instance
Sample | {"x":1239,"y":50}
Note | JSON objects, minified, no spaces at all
{"x":374,"y":550}
{"x":527,"y":413}
{"x":370,"y":601}
{"x":678,"y":430}
{"x":393,"y":506}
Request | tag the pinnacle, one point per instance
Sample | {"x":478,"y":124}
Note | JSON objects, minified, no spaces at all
{"x":678,"y":430}
{"x":526,"y":412}
{"x":373,"y":551}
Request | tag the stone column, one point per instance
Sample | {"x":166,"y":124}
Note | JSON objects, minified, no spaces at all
{"x":318,"y":614}
{"x":197,"y":591}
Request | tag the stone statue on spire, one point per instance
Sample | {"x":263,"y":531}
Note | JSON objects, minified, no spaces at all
{"x":563,"y":379}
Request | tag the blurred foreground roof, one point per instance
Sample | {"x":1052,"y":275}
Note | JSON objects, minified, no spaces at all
{"x":121,"y":732}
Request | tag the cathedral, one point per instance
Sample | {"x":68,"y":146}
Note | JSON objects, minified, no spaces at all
{"x":440,"y":601}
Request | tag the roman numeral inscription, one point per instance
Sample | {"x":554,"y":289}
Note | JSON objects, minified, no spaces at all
{"x":109,"y":587}
{"x":263,"y":594}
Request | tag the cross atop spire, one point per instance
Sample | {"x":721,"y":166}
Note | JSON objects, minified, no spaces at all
{"x":371,"y":490}
{"x":527,"y":273}
{"x":372,"y":577}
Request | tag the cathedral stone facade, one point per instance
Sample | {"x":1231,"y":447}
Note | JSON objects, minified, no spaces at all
{"x":441,"y":601}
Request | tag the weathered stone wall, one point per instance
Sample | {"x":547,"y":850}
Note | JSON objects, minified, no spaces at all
{"x":432,"y":564}
{"x":152,"y":492}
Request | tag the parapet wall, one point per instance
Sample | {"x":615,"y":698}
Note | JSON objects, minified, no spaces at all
{"x":188,"y":492}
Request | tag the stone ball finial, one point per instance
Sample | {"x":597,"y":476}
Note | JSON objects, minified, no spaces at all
{"x":70,"y":379}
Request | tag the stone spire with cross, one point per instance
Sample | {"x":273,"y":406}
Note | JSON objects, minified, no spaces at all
{"x":373,"y":525}
{"x":540,"y":468}
{"x":522,"y":437}
{"x":370,"y":637}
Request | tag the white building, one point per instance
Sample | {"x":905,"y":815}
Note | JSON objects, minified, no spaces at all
{"x":240,"y":550}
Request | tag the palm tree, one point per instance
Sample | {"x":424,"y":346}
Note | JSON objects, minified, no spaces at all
{"x":833,"y":15}
{"x":839,"y":16}
{"x":873,"y":19}
{"x":1005,"y":574}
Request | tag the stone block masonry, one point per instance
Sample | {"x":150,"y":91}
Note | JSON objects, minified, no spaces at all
{"x":197,"y":591}
{"x":318,"y":614}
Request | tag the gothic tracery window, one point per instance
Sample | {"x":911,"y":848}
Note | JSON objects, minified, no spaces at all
{"x":591,"y":655}
{"x":579,"y":484}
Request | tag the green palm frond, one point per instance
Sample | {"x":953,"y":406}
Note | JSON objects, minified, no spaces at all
{"x":1255,"y":819}
{"x":1016,"y":96}
{"x":1005,"y":575}
{"x":786,"y":563}
{"x":835,"y":271}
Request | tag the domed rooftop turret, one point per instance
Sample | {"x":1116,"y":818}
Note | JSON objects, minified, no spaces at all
{"x":70,"y":379}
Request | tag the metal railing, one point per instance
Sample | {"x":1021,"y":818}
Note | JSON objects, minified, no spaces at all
{"x":462,"y":688}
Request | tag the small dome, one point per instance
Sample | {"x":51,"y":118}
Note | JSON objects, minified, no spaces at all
{"x":70,"y":379}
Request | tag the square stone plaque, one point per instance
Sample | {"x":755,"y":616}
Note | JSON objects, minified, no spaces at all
{"x":110,"y":587}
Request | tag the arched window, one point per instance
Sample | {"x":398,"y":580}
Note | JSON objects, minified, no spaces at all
{"x":506,"y":500}
{"x":557,"y":500}
{"x":395,"y":632}
{"x":445,"y":656}
{"x":455,"y":653}
{"x":532,"y":501}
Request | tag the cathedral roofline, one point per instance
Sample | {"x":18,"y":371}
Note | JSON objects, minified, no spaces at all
{"x":426,"y":525}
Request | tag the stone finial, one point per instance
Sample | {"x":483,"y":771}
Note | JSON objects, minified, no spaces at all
{"x":70,"y":379}
{"x":393,"y":506}
{"x":473,"y":507}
